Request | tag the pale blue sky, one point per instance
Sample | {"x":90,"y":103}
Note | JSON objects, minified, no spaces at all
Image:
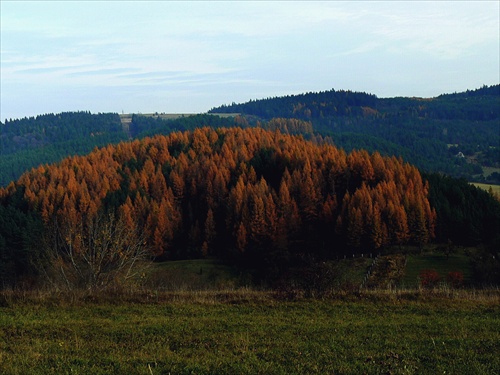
{"x":187,"y":57}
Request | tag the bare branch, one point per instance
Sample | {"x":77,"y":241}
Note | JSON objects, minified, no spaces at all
{"x":100,"y":251}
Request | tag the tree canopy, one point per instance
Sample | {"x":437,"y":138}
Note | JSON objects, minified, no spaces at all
{"x":427,"y":132}
{"x":236,"y":194}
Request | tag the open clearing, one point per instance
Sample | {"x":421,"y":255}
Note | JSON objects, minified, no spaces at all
{"x":495,"y":188}
{"x":173,"y":116}
{"x":252,"y":333}
{"x":489,"y":170}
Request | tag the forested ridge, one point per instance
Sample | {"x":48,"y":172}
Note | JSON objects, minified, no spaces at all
{"x":238,"y":194}
{"x":427,"y":132}
{"x":253,"y":197}
{"x":29,"y":142}
{"x":250,"y":190}
{"x":26,"y":143}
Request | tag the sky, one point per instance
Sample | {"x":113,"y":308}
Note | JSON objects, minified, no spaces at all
{"x":188,"y":57}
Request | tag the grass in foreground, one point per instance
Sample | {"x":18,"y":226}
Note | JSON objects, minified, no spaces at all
{"x":248,"y":332}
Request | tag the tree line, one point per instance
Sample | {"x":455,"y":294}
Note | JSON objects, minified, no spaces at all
{"x":28,"y":142}
{"x":424,"y":131}
{"x":25,"y":143}
{"x":428,"y":133}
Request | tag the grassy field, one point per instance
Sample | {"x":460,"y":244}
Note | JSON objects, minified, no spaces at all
{"x":440,"y":263}
{"x":495,"y":188}
{"x":489,"y":170}
{"x":198,"y":274}
{"x":196,"y":317}
{"x":248,"y":332}
{"x":208,"y":274}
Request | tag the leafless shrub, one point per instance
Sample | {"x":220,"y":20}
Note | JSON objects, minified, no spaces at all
{"x":98,"y":253}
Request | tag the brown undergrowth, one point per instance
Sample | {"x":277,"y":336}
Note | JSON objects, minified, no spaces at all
{"x":438,"y":295}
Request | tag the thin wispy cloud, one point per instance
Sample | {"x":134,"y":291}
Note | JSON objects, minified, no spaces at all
{"x":447,"y":32}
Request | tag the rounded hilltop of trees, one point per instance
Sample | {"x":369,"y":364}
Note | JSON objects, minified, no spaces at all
{"x":250,"y":195}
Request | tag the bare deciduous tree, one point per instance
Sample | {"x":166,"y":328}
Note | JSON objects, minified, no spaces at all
{"x":97,"y":253}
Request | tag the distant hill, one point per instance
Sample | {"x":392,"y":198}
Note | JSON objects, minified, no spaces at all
{"x":429,"y":132}
{"x":456,"y":134}
{"x":29,"y":142}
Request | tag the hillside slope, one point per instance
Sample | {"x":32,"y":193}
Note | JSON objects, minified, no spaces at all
{"x":29,"y":142}
{"x":429,"y":133}
{"x":252,"y":197}
{"x":247,"y":195}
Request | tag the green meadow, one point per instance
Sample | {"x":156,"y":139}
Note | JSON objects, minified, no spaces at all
{"x":438,"y":262}
{"x":494,"y":188}
{"x":251,"y":332}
